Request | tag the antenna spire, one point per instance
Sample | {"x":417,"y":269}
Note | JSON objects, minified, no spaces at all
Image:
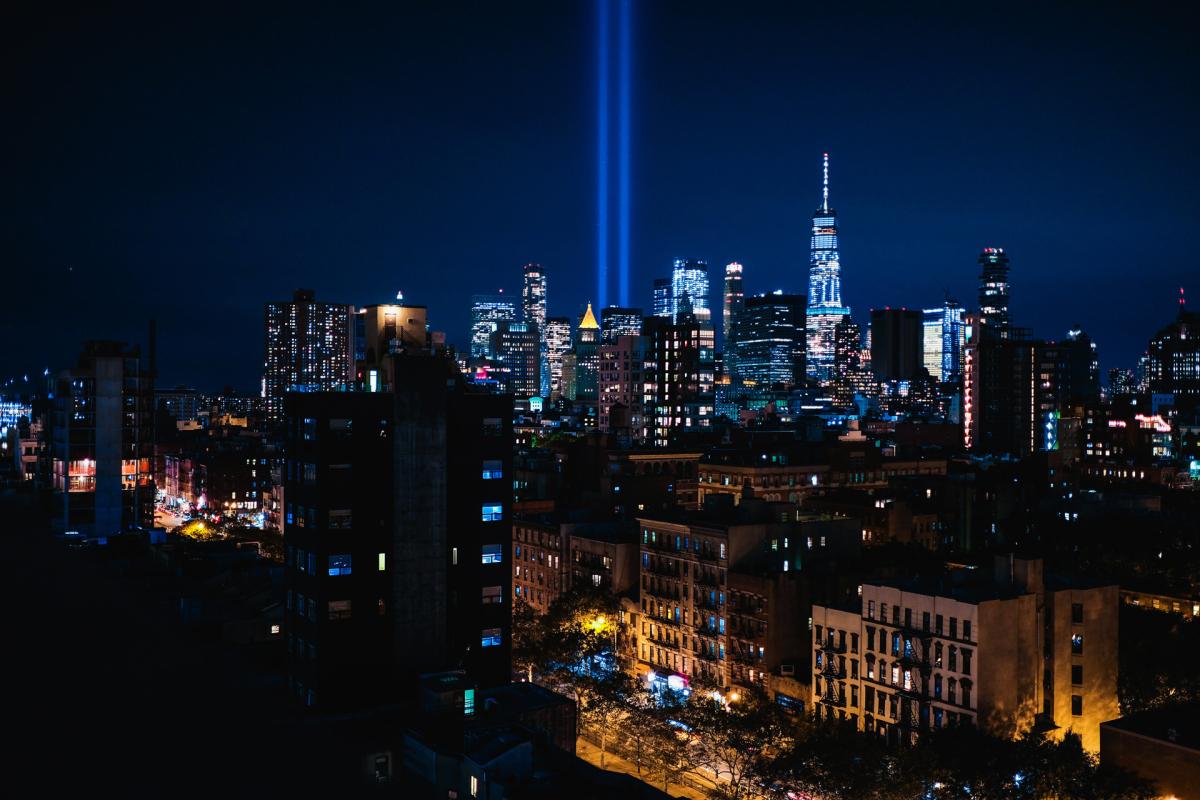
{"x":825,"y":187}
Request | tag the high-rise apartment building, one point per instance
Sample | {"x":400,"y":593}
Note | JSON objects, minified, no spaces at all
{"x":679,"y":376}
{"x":689,"y":283}
{"x":309,"y":348}
{"x":896,"y":338}
{"x":622,"y":386}
{"x":398,"y":534}
{"x":102,"y":443}
{"x":616,"y":321}
{"x":771,"y":340}
{"x":486,"y":311}
{"x":994,"y":288}
{"x":558,"y":344}
{"x":825,"y":309}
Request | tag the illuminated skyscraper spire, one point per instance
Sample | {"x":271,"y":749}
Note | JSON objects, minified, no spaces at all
{"x":825,"y":309}
{"x":825,"y":187}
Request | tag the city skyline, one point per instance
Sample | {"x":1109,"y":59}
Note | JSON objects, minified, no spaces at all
{"x":239,"y":209}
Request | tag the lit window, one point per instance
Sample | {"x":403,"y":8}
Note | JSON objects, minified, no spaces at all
{"x":382,"y":561}
{"x":491,"y":637}
{"x":492,"y":554}
{"x":493,"y":469}
{"x":340,"y":564}
{"x":493,"y":512}
{"x":274,"y":630}
{"x":1077,"y":644}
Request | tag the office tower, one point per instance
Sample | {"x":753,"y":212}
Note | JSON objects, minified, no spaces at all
{"x":689,"y":279}
{"x":825,"y":309}
{"x":895,"y":343}
{"x":533,"y":310}
{"x":621,"y":386}
{"x":662,"y":298}
{"x":533,"y":295}
{"x":770,"y":341}
{"x":309,"y":348}
{"x":181,"y":404}
{"x":516,"y":349}
{"x":734,"y":299}
{"x":1173,"y":360}
{"x":102,"y":443}
{"x":952,"y":333}
{"x":850,"y":375}
{"x":397,"y":535}
{"x":486,"y":311}
{"x":587,"y":363}
{"x":558,"y":344}
{"x":1006,"y":652}
{"x":679,"y":376}
{"x":931,"y":342}
{"x":994,"y":288}
{"x":617,"y":321}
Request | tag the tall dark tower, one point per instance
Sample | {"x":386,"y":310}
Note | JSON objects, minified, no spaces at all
{"x":993,"y":289}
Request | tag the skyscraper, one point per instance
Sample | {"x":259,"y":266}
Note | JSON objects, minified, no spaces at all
{"x":734,"y":299}
{"x":993,"y":289}
{"x":309,"y":348}
{"x":533,"y":311}
{"x":662,"y":297}
{"x":558,"y":344}
{"x":617,"y":321}
{"x":690,"y":278}
{"x":770,"y":342}
{"x":516,"y":348}
{"x":931,"y":341}
{"x":850,"y":375}
{"x":486,"y":311}
{"x":825,"y":309}
{"x":587,"y":359}
{"x":679,"y":377}
{"x":1173,"y":360}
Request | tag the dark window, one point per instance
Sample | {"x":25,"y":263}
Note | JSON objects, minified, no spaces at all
{"x":1076,"y":674}
{"x":1077,"y":613}
{"x":1076,"y":705}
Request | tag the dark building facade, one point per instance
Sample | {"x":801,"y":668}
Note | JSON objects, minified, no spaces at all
{"x":102,"y":443}
{"x":397,"y":534}
{"x":896,"y":343}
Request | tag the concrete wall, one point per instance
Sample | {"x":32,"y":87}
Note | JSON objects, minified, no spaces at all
{"x":1009,"y":665}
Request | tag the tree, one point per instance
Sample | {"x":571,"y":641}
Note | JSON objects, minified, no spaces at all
{"x":738,"y":741}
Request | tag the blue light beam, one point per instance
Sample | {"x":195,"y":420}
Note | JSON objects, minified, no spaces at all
{"x":601,"y":153}
{"x":623,"y":155}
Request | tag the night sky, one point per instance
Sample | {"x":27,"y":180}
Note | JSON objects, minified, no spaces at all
{"x":191,"y":165}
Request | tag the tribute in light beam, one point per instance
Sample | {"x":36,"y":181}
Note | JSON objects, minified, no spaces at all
{"x":601,"y":153}
{"x":623,"y":156}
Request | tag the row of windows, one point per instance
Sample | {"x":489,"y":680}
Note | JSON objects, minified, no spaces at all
{"x":938,"y":626}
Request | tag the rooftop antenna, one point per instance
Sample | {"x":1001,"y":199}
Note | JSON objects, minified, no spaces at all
{"x":825,"y":187}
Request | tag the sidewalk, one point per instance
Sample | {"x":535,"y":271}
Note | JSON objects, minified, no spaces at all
{"x":614,"y":763}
